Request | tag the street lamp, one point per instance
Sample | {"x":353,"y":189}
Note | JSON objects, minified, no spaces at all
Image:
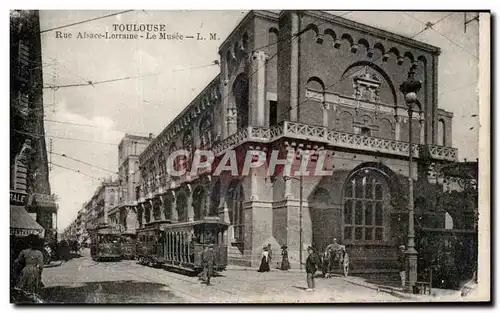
{"x":300,"y":214}
{"x":409,"y":88}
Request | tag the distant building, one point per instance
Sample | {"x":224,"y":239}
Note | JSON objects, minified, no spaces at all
{"x":28,"y":154}
{"x":129,"y":149}
{"x":105,"y":198}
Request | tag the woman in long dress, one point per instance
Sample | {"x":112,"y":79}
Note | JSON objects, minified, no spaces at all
{"x":264,"y":263}
{"x":31,"y":275}
{"x":285,"y":264}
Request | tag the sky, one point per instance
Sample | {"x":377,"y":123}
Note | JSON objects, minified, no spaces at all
{"x":97,"y":117}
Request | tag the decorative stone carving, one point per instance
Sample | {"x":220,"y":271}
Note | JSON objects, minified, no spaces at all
{"x":385,"y":57}
{"x":337,"y":43}
{"x":366,"y":87}
{"x":400,"y":60}
{"x":231,"y":115}
{"x":370,"y":53}
{"x":319,"y":39}
{"x":354,"y":48}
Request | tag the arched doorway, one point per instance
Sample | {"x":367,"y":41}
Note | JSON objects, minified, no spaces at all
{"x":234,"y":200}
{"x":323,"y":218}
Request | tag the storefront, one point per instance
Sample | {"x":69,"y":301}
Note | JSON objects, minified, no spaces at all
{"x":45,"y":209}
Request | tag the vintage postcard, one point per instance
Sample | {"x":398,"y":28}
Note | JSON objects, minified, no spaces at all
{"x":262,"y":156}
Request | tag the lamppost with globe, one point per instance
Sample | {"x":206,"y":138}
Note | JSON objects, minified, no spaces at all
{"x":410,"y":87}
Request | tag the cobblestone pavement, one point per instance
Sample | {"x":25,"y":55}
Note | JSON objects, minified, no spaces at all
{"x":83,"y":280}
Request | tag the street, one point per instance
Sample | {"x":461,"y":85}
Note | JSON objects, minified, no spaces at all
{"x":82,"y":280}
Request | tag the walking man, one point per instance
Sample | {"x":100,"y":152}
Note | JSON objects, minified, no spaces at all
{"x":402,"y":267}
{"x":208,"y":260}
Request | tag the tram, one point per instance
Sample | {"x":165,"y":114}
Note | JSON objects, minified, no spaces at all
{"x":180,"y":245}
{"x":128,"y":245}
{"x":105,"y":243}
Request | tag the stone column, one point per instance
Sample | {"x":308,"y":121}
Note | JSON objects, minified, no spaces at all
{"x":190,"y":209}
{"x":398,"y":119}
{"x":259,"y":64}
{"x":294,"y":68}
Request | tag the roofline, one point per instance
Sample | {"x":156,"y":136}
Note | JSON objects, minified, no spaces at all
{"x":252,"y":13}
{"x":373,"y":31}
{"x":179,"y":116}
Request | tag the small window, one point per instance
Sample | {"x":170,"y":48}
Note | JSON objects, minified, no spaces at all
{"x":273,"y":113}
{"x":365,"y":131}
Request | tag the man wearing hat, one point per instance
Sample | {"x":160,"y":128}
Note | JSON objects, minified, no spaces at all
{"x":402,"y":265}
{"x":208,"y":262}
{"x":312,"y":263}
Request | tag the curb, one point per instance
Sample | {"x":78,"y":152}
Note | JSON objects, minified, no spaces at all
{"x":390,"y":291}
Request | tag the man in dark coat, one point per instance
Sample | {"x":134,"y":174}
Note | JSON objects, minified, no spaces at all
{"x":208,"y":262}
{"x":312,"y":263}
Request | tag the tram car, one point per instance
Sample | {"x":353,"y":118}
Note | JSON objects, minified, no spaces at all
{"x":180,"y":245}
{"x":105,"y":243}
{"x":128,"y":245}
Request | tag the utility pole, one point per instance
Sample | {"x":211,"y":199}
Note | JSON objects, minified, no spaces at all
{"x":51,"y":150}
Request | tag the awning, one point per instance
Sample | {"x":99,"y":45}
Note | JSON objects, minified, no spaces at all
{"x":22,"y":224}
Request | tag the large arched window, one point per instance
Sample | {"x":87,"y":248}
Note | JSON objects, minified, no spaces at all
{"x":162,"y":166}
{"x":364,"y":202}
{"x":240,"y":93}
{"x":205,"y":133}
{"x":152,"y":175}
{"x":235,"y":205}
{"x":199,"y":203}
{"x":182,"y":208}
{"x":441,"y":133}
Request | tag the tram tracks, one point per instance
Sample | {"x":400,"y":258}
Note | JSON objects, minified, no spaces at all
{"x":186,"y":293}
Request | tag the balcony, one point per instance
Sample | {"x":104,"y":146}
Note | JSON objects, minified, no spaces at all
{"x":334,"y":138}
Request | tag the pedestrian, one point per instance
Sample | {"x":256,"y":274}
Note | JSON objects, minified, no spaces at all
{"x":264,"y":263}
{"x":270,"y":252}
{"x":285,"y":264}
{"x":312,"y":263}
{"x":402,"y":265}
{"x":208,"y":259}
{"x":31,"y":261}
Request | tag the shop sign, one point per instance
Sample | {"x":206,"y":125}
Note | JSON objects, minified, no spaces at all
{"x":18,"y":198}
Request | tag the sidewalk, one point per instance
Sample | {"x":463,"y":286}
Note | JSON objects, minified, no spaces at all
{"x":436,"y":296}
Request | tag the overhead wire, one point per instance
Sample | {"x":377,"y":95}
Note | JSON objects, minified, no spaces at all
{"x":76,"y":171}
{"x":84,"y":21}
{"x":34,"y":135}
{"x":64,"y":155}
{"x":431,"y":26}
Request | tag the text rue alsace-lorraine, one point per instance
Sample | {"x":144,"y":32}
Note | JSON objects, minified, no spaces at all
{"x":136,"y":31}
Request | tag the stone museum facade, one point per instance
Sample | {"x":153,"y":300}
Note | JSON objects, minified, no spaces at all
{"x":295,"y":81}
